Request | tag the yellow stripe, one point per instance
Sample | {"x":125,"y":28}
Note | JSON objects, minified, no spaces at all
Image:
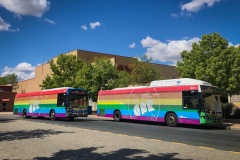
{"x":178,"y":143}
{"x":47,"y":101}
{"x":137,"y":137}
{"x":207,"y":148}
{"x":234,"y":152}
{"x":137,"y":101}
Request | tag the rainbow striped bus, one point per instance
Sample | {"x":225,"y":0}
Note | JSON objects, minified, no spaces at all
{"x":55,"y":103}
{"x":173,"y":101}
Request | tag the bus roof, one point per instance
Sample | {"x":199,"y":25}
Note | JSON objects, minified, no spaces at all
{"x":130,"y":87}
{"x":178,"y":82}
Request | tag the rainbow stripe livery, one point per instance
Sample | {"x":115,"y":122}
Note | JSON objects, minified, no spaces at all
{"x":53,"y":103}
{"x":158,"y":102}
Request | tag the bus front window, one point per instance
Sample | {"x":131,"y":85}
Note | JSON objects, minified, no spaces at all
{"x":211,"y":99}
{"x":78,"y":101}
{"x":211,"y":103}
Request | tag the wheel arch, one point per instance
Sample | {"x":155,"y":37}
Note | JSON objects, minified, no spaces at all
{"x":168,"y":113}
{"x":49,"y":114}
{"x":120,"y":115}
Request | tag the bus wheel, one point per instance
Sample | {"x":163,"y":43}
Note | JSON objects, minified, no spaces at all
{"x":71,"y":118}
{"x":52,"y":115}
{"x":171,"y":120}
{"x":117,"y":116}
{"x":24,"y":113}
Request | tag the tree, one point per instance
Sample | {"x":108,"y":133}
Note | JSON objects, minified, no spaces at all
{"x":64,"y":72}
{"x":101,"y":73}
{"x":9,"y":79}
{"x":143,"y":72}
{"x":124,"y":79}
{"x":214,"y":61}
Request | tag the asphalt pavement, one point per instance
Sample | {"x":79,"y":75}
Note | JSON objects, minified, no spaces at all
{"x":233,"y":124}
{"x":46,"y":140}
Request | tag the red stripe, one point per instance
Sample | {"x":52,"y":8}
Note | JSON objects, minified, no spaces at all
{"x":45,"y":92}
{"x":149,"y":89}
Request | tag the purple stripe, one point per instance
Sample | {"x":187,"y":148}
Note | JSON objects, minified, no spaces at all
{"x":108,"y":115}
{"x":61,"y":115}
{"x":189,"y":121}
{"x":142,"y":118}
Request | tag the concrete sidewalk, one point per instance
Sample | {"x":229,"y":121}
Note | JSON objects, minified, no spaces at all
{"x":233,"y":124}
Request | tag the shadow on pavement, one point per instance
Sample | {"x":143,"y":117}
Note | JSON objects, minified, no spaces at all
{"x":121,"y":154}
{"x":204,"y":127}
{"x":5,"y":120}
{"x":18,"y":135}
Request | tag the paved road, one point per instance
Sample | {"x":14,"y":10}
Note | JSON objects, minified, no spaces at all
{"x":94,"y":138}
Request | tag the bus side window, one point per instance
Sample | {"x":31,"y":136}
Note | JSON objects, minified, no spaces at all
{"x":61,"y":100}
{"x":190,"y":100}
{"x":186,"y":103}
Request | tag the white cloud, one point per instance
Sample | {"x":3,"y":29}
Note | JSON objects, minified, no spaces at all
{"x":49,"y":21}
{"x":84,"y":27}
{"x":169,"y":51}
{"x":26,"y":7}
{"x":197,"y":5}
{"x":132,"y":45}
{"x":231,"y":44}
{"x":93,"y":25}
{"x":4,"y":26}
{"x":194,"y":6}
{"x":23,"y":71}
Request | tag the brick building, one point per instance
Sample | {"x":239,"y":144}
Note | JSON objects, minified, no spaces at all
{"x":6,"y":98}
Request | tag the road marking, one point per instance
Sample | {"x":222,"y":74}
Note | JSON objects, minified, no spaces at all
{"x":207,"y":148}
{"x":137,"y":137}
{"x":108,"y":132}
{"x":178,"y":143}
{"x":122,"y":134}
{"x":234,"y":152}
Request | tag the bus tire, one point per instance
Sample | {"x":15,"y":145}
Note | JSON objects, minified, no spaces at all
{"x":71,"y":118}
{"x":52,"y":115}
{"x":24,"y":113}
{"x":171,"y":120}
{"x":117,"y":116}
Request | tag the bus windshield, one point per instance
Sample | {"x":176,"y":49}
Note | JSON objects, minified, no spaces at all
{"x":210,"y":99}
{"x":78,"y":100}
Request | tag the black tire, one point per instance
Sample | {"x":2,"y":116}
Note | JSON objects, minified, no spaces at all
{"x":71,"y":118}
{"x":24,"y":113}
{"x":117,"y":116}
{"x":171,"y":120}
{"x":52,"y":115}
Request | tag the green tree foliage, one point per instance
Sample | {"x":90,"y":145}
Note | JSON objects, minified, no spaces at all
{"x":9,"y":79}
{"x":214,"y":61}
{"x":143,"y":72}
{"x":69,"y":71}
{"x":101,"y":73}
{"x":124,"y":79}
{"x":64,"y":72}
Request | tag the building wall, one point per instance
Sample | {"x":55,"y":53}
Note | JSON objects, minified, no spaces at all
{"x":31,"y":85}
{"x":122,"y":64}
{"x":7,"y":98}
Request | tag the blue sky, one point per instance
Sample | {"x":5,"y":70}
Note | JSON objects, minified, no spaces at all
{"x":34,"y":31}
